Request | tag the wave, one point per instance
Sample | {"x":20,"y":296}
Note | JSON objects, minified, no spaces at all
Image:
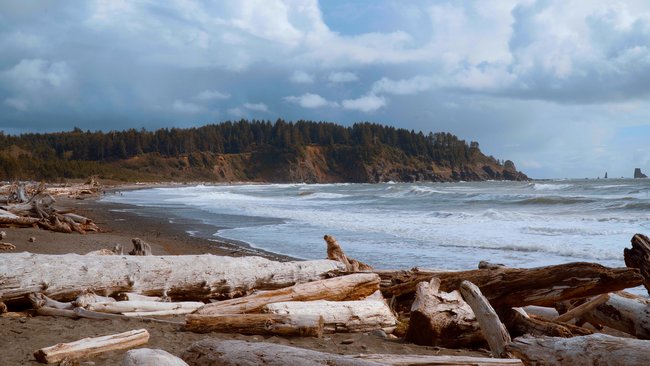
{"x":554,"y":200}
{"x":550,"y":187}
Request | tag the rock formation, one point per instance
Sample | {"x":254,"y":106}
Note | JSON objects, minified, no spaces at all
{"x":639,"y":174}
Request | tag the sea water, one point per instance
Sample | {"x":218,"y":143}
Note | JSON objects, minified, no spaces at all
{"x":427,"y":225}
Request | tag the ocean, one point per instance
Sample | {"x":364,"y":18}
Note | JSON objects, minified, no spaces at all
{"x":426,"y":225}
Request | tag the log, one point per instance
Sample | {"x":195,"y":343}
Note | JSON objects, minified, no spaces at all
{"x":335,"y":253}
{"x":118,"y":307}
{"x":493,"y":330}
{"x":515,"y":287}
{"x":263,"y":324}
{"x":151,"y":357}
{"x":520,"y":324}
{"x":91,"y":346}
{"x":350,"y":287}
{"x":579,"y":310}
{"x":639,"y":257}
{"x":140,"y":247}
{"x":210,"y":352}
{"x":595,"y":349}
{"x":341,"y":316}
{"x":442,"y":319}
{"x":412,"y":360}
{"x":90,"y":298}
{"x":18,"y":221}
{"x":624,"y":312}
{"x":193,"y":277}
{"x":39,"y":300}
{"x":130,"y":296}
{"x":7,"y":246}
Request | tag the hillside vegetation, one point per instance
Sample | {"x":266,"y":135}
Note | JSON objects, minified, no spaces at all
{"x":304,"y":151}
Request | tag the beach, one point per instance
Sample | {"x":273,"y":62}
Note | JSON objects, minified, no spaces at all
{"x":23,"y":334}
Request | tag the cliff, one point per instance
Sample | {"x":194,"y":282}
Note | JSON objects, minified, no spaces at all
{"x":639,"y":174}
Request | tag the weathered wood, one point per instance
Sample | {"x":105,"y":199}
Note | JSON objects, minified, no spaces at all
{"x":151,"y":357}
{"x":263,"y":324}
{"x":90,"y":298}
{"x":413,"y":360}
{"x":341,"y":316}
{"x":579,"y":310}
{"x":39,"y":300}
{"x":195,"y":277}
{"x":118,"y":307}
{"x":130,"y":296}
{"x":514,"y":287}
{"x":210,"y":352}
{"x":335,"y":252}
{"x":595,"y":349}
{"x":520,"y":324}
{"x":493,"y":330}
{"x":350,"y":287}
{"x":442,"y":319}
{"x":140,"y":247}
{"x":7,"y":246}
{"x":624,"y":312}
{"x":91,"y":346}
{"x":18,"y":221}
{"x":639,"y":257}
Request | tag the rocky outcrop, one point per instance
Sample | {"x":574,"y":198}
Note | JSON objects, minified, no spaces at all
{"x":639,"y":174}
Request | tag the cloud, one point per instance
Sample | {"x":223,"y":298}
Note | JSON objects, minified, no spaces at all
{"x":211,"y":95}
{"x":367,"y":103}
{"x":257,"y":107}
{"x":301,"y":77}
{"x":342,"y":77}
{"x":18,"y":104}
{"x":413,"y":85}
{"x":187,"y":108}
{"x":309,"y":100}
{"x":236,"y":112}
{"x":34,"y":74}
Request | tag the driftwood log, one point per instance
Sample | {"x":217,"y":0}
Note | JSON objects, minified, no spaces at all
{"x":341,"y":316}
{"x":351,"y":287}
{"x":335,"y":253}
{"x":263,"y":324}
{"x":428,"y":360}
{"x":519,"y":323}
{"x":122,"y":307}
{"x":442,"y":319}
{"x":595,"y":349}
{"x":151,"y":357}
{"x":91,"y":346}
{"x":515,"y":287}
{"x":639,"y":257}
{"x":194,"y":277}
{"x":624,"y":312}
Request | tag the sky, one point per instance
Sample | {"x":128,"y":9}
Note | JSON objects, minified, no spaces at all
{"x":561,"y":87}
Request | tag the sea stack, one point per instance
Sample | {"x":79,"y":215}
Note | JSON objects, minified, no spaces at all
{"x":639,"y":174}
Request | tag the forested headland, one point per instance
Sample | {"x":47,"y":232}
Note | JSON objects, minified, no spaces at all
{"x":302,"y":151}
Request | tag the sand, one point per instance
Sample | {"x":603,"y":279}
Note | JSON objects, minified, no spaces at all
{"x":22,"y":334}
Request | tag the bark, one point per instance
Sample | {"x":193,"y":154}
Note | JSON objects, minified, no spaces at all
{"x":493,"y":330}
{"x":515,"y":287}
{"x":183,"y":277}
{"x":624,"y":312}
{"x":350,"y":287}
{"x":639,"y":257}
{"x":595,"y":349}
{"x":263,"y":324}
{"x":341,"y":316}
{"x":151,"y":357}
{"x":209,"y":352}
{"x":442,"y":319}
{"x":335,"y":253}
{"x":91,"y":346}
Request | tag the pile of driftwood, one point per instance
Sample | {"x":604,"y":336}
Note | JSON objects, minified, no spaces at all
{"x":553,"y":315}
{"x":33,"y":206}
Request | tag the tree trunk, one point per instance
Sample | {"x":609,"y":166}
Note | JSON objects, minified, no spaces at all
{"x":595,"y":349}
{"x":263,"y":324}
{"x":624,"y":312}
{"x":442,"y":319}
{"x":151,"y":357}
{"x":350,"y":287}
{"x":639,"y":257}
{"x":493,"y":330}
{"x":195,"y":277}
{"x":515,"y":287}
{"x":341,"y":316}
{"x":210,"y":352}
{"x":91,"y":346}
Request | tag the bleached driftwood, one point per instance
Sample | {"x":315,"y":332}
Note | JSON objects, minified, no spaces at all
{"x":543,"y":312}
{"x":140,"y":247}
{"x":443,"y":360}
{"x":639,"y":257}
{"x":625,"y":312}
{"x":151,"y":357}
{"x":194,"y":277}
{"x":350,"y":287}
{"x":514,"y":287}
{"x":130,"y":296}
{"x":263,"y":324}
{"x":595,"y":349}
{"x":341,"y":316}
{"x":335,"y":253}
{"x":90,"y":298}
{"x":39,"y":300}
{"x":119,"y":307}
{"x":91,"y":346}
{"x":493,"y":330}
{"x":579,"y":310}
{"x":442,"y":319}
